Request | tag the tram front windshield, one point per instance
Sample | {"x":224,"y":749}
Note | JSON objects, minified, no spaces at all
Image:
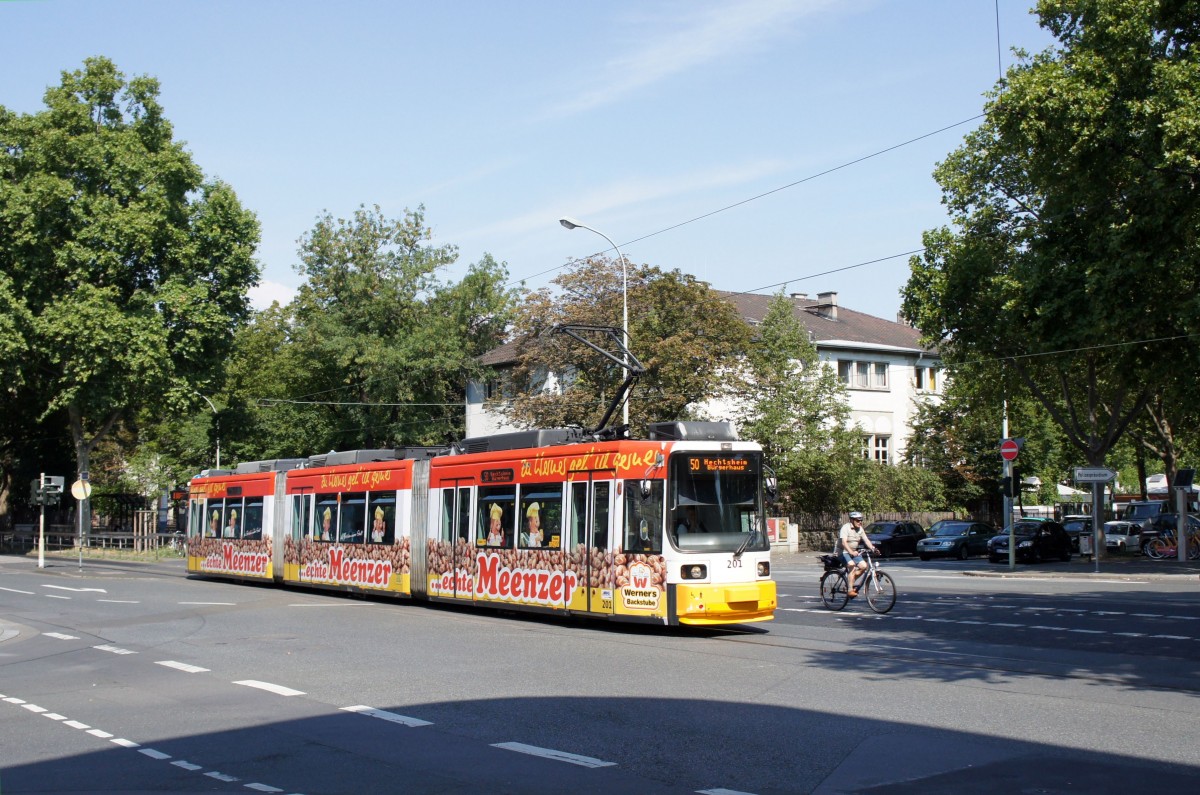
{"x":715,"y":502}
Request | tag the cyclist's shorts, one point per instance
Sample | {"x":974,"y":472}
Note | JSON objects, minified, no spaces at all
{"x":851,"y":560}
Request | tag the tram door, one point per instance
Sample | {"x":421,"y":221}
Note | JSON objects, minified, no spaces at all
{"x":591,"y":527}
{"x":301,"y":531}
{"x":458,"y":503}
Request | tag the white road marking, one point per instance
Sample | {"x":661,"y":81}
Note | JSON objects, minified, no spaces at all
{"x":550,"y":753}
{"x":186,"y":765}
{"x":76,"y":590}
{"x":221,"y":776}
{"x":60,"y":636}
{"x":191,"y":669}
{"x":56,"y":596}
{"x":113,"y":649}
{"x":222,"y":604}
{"x":103,"y":735}
{"x":53,"y":716}
{"x":74,"y":724}
{"x":35,"y":708}
{"x":277,"y":689}
{"x":14,"y":590}
{"x":150,"y":752}
{"x":120,"y":601}
{"x":263,"y":788}
{"x":362,"y":709}
{"x":121,"y":741}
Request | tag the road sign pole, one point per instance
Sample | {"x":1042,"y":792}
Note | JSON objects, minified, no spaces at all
{"x":1097,"y":522}
{"x":42,"y":522}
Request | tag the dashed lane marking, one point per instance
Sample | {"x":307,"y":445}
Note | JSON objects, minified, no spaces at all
{"x":279,"y":690}
{"x":550,"y":753}
{"x":191,"y":669}
{"x":392,"y":717}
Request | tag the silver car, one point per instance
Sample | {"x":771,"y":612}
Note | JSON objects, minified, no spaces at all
{"x":1121,"y":536}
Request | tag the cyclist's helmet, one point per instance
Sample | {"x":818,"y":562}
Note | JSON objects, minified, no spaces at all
{"x":856,"y":515}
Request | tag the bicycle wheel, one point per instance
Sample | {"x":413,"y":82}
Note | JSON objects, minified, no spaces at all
{"x":833,"y":590}
{"x":1156,"y":549}
{"x":881,"y":592}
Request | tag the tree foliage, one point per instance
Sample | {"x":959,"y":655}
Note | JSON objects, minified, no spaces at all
{"x":124,"y":273}
{"x":798,"y":410}
{"x":1074,"y":257}
{"x":681,"y":331}
{"x":375,"y":349}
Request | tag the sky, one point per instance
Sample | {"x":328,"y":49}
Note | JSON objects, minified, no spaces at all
{"x":758,"y":145}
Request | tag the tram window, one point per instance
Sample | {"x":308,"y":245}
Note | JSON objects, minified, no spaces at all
{"x":576,"y":533}
{"x":447,"y":514}
{"x":213,"y":530}
{"x":196,"y":525}
{"x":600,"y":521}
{"x":352,"y":525}
{"x":464,"y":514}
{"x":643,"y":518}
{"x":252,"y":519}
{"x":233,"y":519}
{"x":383,"y":519}
{"x":301,"y":516}
{"x":497,"y":516}
{"x":541,"y":515}
{"x":326,"y":518}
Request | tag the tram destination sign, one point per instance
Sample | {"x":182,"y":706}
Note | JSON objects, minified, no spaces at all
{"x":1094,"y":474}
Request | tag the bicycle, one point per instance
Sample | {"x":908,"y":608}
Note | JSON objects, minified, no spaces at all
{"x":875,"y":584}
{"x":1164,"y":547}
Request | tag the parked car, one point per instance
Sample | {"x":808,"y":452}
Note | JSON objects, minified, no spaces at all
{"x":1138,"y":511}
{"x":1036,"y":541}
{"x":1121,"y":535}
{"x":893,"y":538}
{"x":1162,"y":524}
{"x":1075,"y":527}
{"x":955,"y":538}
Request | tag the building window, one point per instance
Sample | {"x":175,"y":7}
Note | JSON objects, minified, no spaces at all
{"x":927,"y":379}
{"x":863,"y":375}
{"x":877,"y":447}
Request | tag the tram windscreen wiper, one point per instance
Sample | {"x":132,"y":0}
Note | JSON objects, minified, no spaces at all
{"x":746,"y":544}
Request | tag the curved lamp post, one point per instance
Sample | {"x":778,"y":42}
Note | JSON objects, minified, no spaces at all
{"x":217,"y":425}
{"x":571,"y":223}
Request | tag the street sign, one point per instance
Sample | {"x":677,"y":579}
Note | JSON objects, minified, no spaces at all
{"x":1093,"y":474}
{"x":1009,"y":449}
{"x":81,"y":489}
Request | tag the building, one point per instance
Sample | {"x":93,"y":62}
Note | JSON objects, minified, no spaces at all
{"x":886,"y":371}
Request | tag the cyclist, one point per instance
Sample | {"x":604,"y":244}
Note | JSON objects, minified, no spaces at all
{"x":849,"y":538}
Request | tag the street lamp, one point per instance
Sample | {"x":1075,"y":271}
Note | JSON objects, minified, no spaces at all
{"x":217,"y":425}
{"x":571,"y":223}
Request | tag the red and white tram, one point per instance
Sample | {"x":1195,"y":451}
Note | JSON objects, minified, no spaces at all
{"x":667,"y":530}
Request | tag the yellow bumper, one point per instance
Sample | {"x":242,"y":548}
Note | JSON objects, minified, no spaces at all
{"x":725,"y":604}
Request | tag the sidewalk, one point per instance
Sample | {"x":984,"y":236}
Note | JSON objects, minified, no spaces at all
{"x":1080,"y":567}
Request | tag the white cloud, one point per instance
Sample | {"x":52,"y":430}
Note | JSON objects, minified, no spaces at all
{"x":626,"y":194}
{"x":266,"y":292}
{"x":717,"y":31}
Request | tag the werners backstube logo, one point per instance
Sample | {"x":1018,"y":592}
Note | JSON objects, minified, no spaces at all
{"x":640,"y":594}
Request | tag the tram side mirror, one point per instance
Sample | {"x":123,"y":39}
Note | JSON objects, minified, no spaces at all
{"x":645,"y":489}
{"x":772,"y":485}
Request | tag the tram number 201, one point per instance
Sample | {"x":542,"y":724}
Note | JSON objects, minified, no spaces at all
{"x":733,"y":563}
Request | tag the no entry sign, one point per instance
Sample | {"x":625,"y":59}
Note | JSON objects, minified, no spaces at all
{"x":1009,"y":449}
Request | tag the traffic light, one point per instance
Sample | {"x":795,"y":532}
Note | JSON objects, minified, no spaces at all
{"x":1011,"y":486}
{"x":48,"y":492}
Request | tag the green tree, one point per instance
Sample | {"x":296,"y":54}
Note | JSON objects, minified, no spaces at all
{"x":685,"y":335}
{"x":126,"y":271}
{"x":380,"y":347}
{"x":1075,"y":257}
{"x":798,"y":410}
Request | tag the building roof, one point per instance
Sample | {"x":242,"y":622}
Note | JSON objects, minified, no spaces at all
{"x":828,"y":324}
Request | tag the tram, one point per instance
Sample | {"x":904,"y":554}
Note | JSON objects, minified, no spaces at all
{"x":670,"y":529}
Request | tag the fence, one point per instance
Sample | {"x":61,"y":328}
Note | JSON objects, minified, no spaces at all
{"x":809,"y":532}
{"x":23,"y":538}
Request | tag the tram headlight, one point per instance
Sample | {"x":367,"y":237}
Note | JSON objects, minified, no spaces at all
{"x":764,"y":568}
{"x":694,"y":572}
